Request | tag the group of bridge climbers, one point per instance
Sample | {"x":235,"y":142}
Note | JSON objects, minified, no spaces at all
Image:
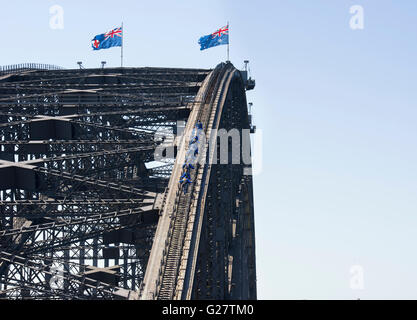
{"x":191,"y":156}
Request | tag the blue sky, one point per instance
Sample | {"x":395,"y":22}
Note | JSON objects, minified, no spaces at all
{"x":337,"y":108}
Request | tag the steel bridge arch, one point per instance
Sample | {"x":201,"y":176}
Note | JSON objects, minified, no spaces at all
{"x":189,"y":272}
{"x":76,"y":189}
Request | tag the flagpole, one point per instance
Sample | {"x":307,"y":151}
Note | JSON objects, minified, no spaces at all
{"x":228,"y":40}
{"x":121,"y":50}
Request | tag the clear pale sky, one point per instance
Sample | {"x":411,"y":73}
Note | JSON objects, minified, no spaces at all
{"x":337,"y":108}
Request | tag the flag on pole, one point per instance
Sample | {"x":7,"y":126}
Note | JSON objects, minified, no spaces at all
{"x":107,"y":40}
{"x":221,"y":36}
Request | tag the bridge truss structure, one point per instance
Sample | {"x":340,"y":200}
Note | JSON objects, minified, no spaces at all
{"x":86,"y":211}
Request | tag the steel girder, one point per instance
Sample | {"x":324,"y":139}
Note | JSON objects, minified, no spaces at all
{"x":78,"y":206}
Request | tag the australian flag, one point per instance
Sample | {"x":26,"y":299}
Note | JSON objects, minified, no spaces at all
{"x":107,"y":40}
{"x":217,"y":38}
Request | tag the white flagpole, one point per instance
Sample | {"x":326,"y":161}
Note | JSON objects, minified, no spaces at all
{"x":228,"y":40}
{"x":121,"y":50}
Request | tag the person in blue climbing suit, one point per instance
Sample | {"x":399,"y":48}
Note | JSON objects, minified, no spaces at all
{"x":195,"y":139}
{"x":185,"y":181}
{"x":185,"y":175}
{"x":199,"y":127}
{"x":187,"y":166}
{"x":196,"y":152}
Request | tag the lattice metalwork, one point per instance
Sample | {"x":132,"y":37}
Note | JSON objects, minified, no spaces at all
{"x":85,"y":210}
{"x":77,"y":197}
